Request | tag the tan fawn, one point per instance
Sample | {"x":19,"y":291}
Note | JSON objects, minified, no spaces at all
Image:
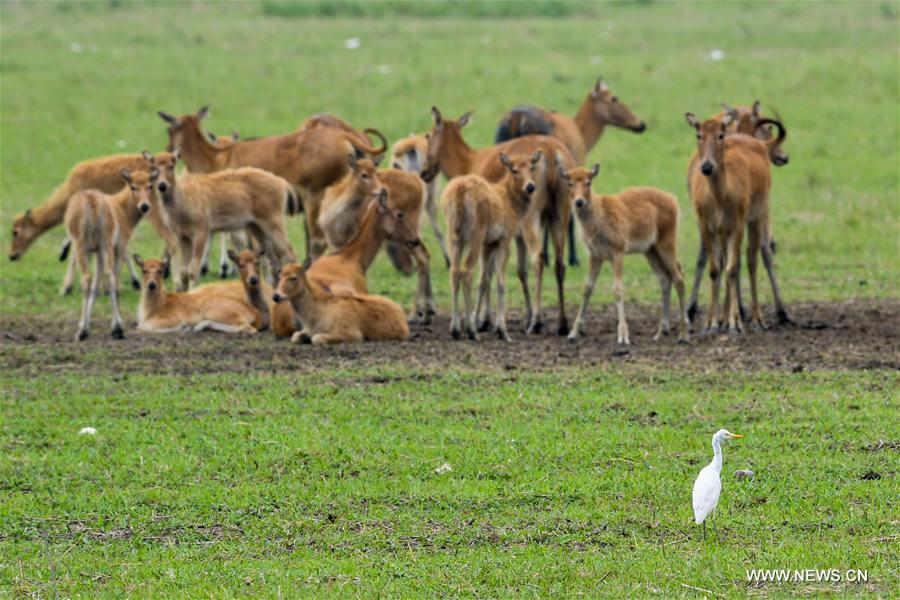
{"x":310,"y":159}
{"x":549,"y":207}
{"x":101,"y":225}
{"x":335,"y":318}
{"x":343,"y":201}
{"x":102,"y":174}
{"x":600,"y":108}
{"x":636,"y":220}
{"x":409,"y":154}
{"x":382,"y":221}
{"x":482,"y":220}
{"x":744,"y":119}
{"x":729,"y":186}
{"x":197,"y":205}
{"x":160,"y":311}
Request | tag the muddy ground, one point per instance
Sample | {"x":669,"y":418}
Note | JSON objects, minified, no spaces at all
{"x":859,"y":334}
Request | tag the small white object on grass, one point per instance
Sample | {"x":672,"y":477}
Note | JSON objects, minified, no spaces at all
{"x":716,"y":54}
{"x":352,"y":43}
{"x":87,"y":431}
{"x":444,"y":468}
{"x":709,"y":483}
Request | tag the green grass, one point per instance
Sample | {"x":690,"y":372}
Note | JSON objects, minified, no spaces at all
{"x":830,"y":69}
{"x":561,"y":484}
{"x":235,"y":485}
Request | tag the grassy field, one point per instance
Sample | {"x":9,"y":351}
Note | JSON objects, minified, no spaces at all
{"x":212,"y":481}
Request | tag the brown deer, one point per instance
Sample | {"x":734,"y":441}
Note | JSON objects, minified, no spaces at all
{"x":482,"y":219}
{"x":160,"y":311}
{"x":580,"y":134}
{"x":729,"y":186}
{"x":409,"y":155}
{"x":448,"y":152}
{"x":102,"y":174}
{"x":196,"y":205}
{"x":744,"y":120}
{"x":383,"y":220}
{"x":310,"y":159}
{"x":637,"y":220}
{"x":335,"y":318}
{"x":101,"y":225}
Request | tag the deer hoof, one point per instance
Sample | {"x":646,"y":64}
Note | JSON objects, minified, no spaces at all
{"x":117,"y":333}
{"x":783,"y":318}
{"x":563,"y":328}
{"x":485,"y":325}
{"x":135,"y":284}
{"x":503,"y":335}
{"x":455,"y":334}
{"x":473,"y":335}
{"x":82,"y":335}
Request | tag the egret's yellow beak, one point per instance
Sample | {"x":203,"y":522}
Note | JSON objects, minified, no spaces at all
{"x":734,"y":435}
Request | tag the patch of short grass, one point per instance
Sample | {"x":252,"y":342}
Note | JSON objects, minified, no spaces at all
{"x":571,"y":483}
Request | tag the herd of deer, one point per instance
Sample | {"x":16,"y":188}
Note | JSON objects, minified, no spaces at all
{"x":531,"y":179}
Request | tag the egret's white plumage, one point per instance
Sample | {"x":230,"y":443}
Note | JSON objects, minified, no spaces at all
{"x":709,"y":483}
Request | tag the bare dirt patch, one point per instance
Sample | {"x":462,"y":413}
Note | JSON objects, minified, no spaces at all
{"x":851,"y":335}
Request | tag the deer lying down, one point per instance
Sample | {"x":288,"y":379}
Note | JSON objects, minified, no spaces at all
{"x":253,"y":290}
{"x":482,"y":218}
{"x":409,"y":155}
{"x":729,"y":186}
{"x":637,"y":220}
{"x":102,"y":174}
{"x":744,"y":120}
{"x":334,"y":318}
{"x":232,"y":200}
{"x":160,"y":311}
{"x":101,"y":225}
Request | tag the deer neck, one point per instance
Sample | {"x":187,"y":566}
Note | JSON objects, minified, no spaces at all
{"x":307,"y":306}
{"x":363,"y":248}
{"x":127,"y":213}
{"x":257,"y":301}
{"x":199,"y":155}
{"x":149,"y":305}
{"x":457,"y":157}
{"x":506,"y":188}
{"x":589,"y":124}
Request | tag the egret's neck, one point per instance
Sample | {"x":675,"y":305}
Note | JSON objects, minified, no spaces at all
{"x":717,"y":455}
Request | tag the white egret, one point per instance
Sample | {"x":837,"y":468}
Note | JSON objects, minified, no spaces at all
{"x":709,"y":483}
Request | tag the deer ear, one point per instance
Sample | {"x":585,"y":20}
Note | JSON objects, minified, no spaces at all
{"x":212,"y":137}
{"x":504,"y":159}
{"x":138,"y":260}
{"x":436,"y":115}
{"x":154,"y":173}
{"x":377,"y":159}
{"x":595,"y":169}
{"x":383,"y":199}
{"x":692,"y":120}
{"x":260,"y":253}
{"x":232,"y":255}
{"x":464,"y":119}
{"x":167,"y":117}
{"x":202,"y":112}
{"x":351,"y":160}
{"x":307,"y":263}
{"x":728,"y":119}
{"x":599,"y":88}
{"x":538,"y":155}
{"x":126,"y":176}
{"x":730,"y":110}
{"x":756,"y":110}
{"x":176,"y":155}
{"x":27,"y":216}
{"x":235,"y":135}
{"x":147,"y":156}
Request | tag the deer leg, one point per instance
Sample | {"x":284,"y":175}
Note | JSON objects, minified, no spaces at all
{"x":132,"y":271}
{"x":501,"y":256}
{"x":112,"y":260}
{"x":224,"y":262}
{"x":578,"y":325}
{"x":559,"y":243}
{"x":431,"y":208}
{"x":753,"y":240}
{"x":69,"y":277}
{"x":201,"y":239}
{"x":425,"y":309}
{"x":184,"y":246}
{"x":317,"y":242}
{"x":666,"y":253}
{"x":573,"y":248}
{"x":531,"y":232}
{"x":522,"y":273}
{"x":467,"y":273}
{"x":204,"y":262}
{"x":735,"y":324}
{"x":693,"y":307}
{"x":619,"y":292}
{"x":89,"y":289}
{"x":665,"y":287}
{"x":483,"y":308}
{"x":769,"y":262}
{"x":455,"y":279}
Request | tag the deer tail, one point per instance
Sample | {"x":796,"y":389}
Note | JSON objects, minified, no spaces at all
{"x":292,"y":204}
